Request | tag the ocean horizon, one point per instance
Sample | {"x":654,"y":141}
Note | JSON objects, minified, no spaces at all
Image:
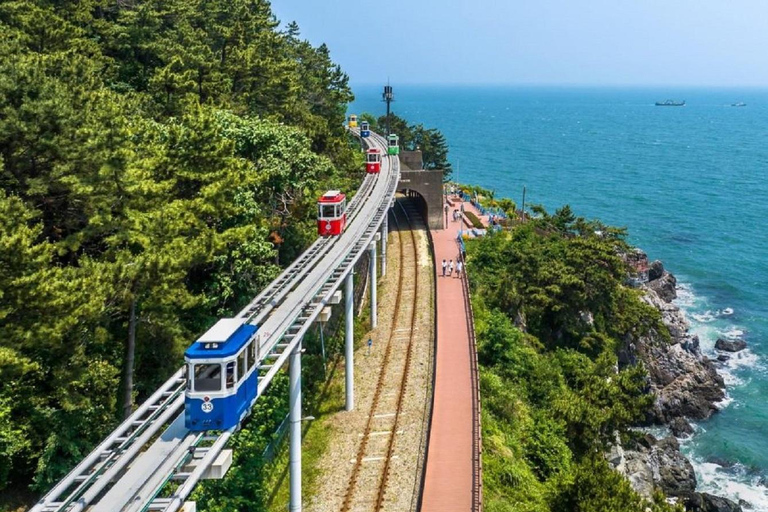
{"x":690,"y":185}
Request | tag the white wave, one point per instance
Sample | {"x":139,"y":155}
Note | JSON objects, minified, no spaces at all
{"x":725,"y":402}
{"x":733,"y":332}
{"x":705,"y":317}
{"x":685,"y":296}
{"x":731,"y":380}
{"x":733,"y":483}
{"x":744,"y":359}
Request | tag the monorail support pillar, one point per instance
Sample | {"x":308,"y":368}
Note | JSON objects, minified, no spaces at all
{"x":372,"y":259}
{"x":294,"y":404}
{"x":349,"y":342}
{"x":384,"y":231}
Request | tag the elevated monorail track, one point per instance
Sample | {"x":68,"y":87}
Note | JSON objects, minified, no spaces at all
{"x":129,"y":469}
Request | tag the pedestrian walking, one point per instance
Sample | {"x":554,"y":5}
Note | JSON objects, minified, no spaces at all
{"x":370,"y":344}
{"x":462,"y":207}
{"x":444,"y":265}
{"x":459,"y":266}
{"x":450,"y":268}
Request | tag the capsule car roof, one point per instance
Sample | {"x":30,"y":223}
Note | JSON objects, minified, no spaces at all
{"x":224,"y":339}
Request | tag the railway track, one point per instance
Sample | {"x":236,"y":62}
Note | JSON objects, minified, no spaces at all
{"x":367,"y":487}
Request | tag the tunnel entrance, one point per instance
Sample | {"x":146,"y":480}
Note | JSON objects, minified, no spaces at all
{"x":426,"y":187}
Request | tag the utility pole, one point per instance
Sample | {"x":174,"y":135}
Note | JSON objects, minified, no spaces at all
{"x":388,"y":97}
{"x":523,"y":207}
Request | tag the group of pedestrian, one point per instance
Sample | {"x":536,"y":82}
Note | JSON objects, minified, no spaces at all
{"x":448,"y":267}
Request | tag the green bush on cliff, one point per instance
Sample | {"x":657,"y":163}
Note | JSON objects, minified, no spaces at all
{"x":550,"y":311}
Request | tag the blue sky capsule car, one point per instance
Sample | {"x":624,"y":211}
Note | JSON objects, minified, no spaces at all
{"x":222,"y":377}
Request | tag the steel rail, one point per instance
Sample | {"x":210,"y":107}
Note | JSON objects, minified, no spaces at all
{"x":112,"y":451}
{"x":352,"y":486}
{"x":406,"y":369}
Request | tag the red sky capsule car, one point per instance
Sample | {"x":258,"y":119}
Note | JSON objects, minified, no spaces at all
{"x":373,"y":161}
{"x":331,"y":213}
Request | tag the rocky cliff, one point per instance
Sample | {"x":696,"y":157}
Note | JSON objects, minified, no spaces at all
{"x":686,"y":385}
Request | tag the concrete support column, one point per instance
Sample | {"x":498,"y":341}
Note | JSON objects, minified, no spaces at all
{"x":384,"y":231}
{"x":349,"y":341}
{"x":372,"y":254}
{"x":295,"y":420}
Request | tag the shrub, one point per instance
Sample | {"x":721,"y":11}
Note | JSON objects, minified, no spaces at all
{"x":474,"y":220}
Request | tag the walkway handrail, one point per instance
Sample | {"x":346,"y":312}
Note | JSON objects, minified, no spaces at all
{"x":477,"y":433}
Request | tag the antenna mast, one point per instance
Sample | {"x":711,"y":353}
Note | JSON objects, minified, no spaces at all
{"x":388,"y":97}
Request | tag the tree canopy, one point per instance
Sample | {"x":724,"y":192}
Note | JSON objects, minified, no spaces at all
{"x":159,"y":162}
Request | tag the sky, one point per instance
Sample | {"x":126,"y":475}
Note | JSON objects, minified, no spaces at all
{"x":544,"y":42}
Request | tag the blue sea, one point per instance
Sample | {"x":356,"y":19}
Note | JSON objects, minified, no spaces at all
{"x":690,"y":184}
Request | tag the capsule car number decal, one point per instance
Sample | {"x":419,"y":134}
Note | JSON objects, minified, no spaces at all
{"x":207,"y":405}
{"x":328,"y":226}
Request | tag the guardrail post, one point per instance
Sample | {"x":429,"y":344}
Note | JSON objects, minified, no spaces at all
{"x":295,"y":418}
{"x":372,"y":249}
{"x":349,"y":342}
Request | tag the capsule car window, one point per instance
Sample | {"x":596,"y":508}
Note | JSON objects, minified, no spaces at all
{"x":207,"y":377}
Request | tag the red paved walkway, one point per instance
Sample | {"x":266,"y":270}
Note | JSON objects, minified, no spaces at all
{"x":448,"y":481}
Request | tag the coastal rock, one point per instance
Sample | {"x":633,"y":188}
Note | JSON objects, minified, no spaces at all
{"x":723,"y":358}
{"x":686,"y":383}
{"x":680,"y":427}
{"x":655,"y":270}
{"x":651,"y":465}
{"x":704,"y":502}
{"x":730,"y":345}
{"x":745,"y":504}
{"x":675,"y":472}
{"x":686,"y":386}
{"x":664,"y":286}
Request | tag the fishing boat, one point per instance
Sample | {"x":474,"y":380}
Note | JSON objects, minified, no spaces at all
{"x":739,"y":104}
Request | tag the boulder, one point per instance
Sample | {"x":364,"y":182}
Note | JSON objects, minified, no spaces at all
{"x":674,"y":473}
{"x":651,"y":465}
{"x":665,"y":286}
{"x":704,"y":502}
{"x":719,"y":504}
{"x":730,"y":345}
{"x":680,"y":427}
{"x":655,"y":270}
{"x":723,"y":358}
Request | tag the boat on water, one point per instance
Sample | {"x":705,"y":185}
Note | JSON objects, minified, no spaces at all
{"x":670,"y":103}
{"x":739,"y":104}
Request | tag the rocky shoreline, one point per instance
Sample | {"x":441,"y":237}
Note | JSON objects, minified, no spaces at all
{"x":687,"y":387}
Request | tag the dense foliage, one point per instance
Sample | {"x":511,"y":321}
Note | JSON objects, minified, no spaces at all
{"x":431,"y":141}
{"x":159,"y":160}
{"x":551,"y":309}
